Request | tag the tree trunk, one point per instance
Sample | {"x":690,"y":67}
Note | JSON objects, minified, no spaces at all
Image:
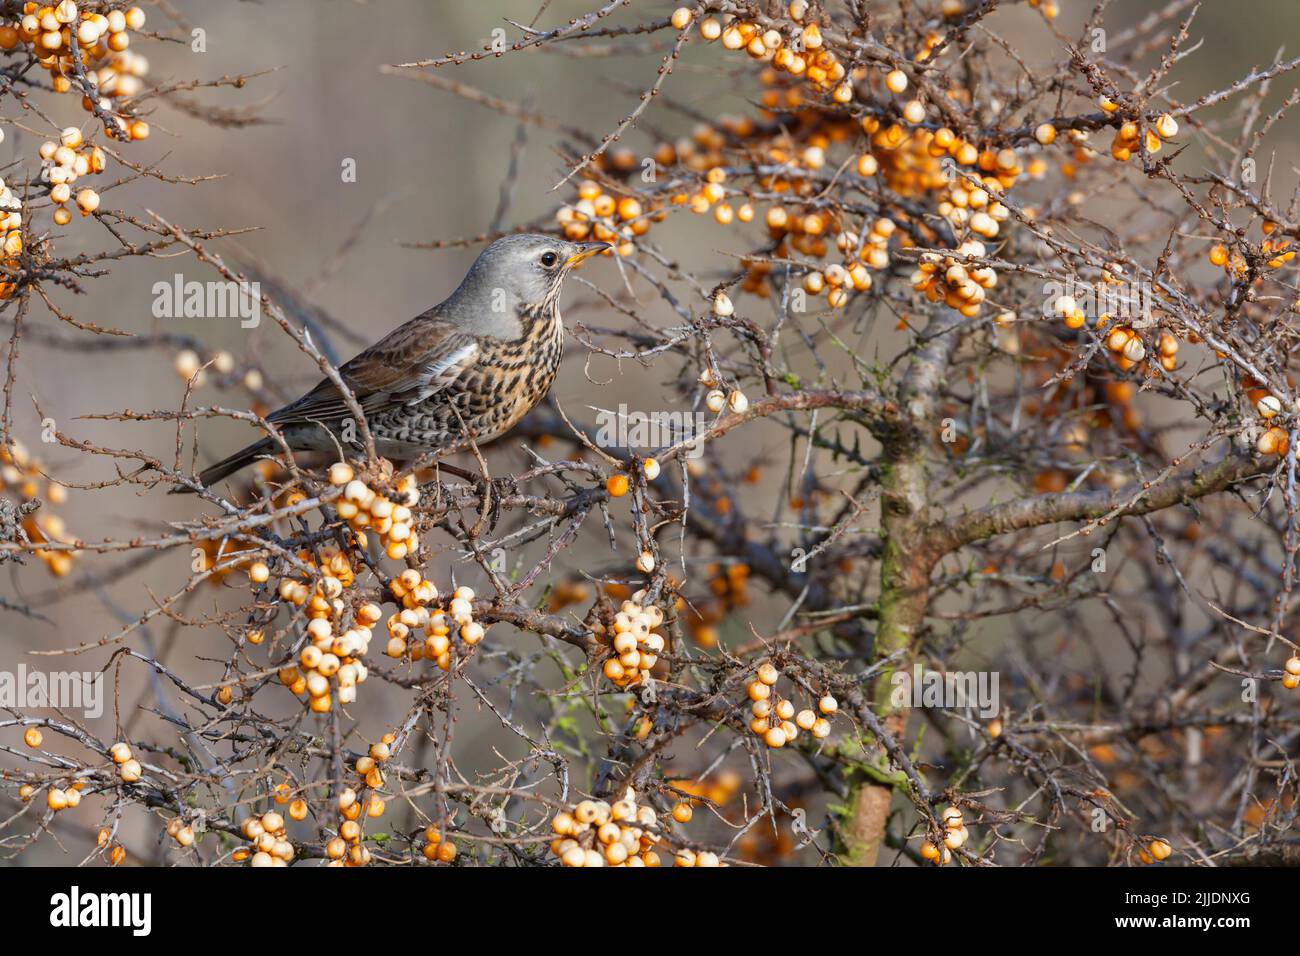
{"x":907,"y":559}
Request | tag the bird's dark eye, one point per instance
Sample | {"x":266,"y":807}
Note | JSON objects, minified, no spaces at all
{"x":549,"y":259}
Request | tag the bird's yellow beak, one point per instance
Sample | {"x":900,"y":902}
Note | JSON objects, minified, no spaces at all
{"x":588,"y":250}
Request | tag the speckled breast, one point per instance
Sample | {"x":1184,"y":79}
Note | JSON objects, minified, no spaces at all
{"x":509,"y":378}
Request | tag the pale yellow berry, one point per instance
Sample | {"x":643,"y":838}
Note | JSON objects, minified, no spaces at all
{"x":1134,"y":350}
{"x":1065,"y":306}
{"x":187,"y":363}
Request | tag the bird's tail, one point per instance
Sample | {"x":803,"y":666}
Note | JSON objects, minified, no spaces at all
{"x":228,"y":466}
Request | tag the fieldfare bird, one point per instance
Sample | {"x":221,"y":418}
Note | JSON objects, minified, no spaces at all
{"x":467,"y":369}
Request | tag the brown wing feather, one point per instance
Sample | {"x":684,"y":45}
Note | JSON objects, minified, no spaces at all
{"x":409,"y":364}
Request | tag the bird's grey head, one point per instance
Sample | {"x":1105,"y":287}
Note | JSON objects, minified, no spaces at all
{"x":516,"y":277}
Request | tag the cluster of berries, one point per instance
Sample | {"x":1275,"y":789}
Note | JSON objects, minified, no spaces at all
{"x":66,"y":40}
{"x":796,"y":48}
{"x":1129,"y":135}
{"x":62,"y":164}
{"x":347,"y":847}
{"x":188,"y":364}
{"x":606,"y":217}
{"x":633,"y":642}
{"x":955,"y":834}
{"x":332,"y":659}
{"x":65,"y":798}
{"x":115,"y":851}
{"x":806,"y":87}
{"x":944,"y":278}
{"x":716,"y":399}
{"x":23,"y":478}
{"x":11,"y":235}
{"x":774,"y":717}
{"x":364,"y":510}
{"x":620,"y":484}
{"x":417,"y":596}
{"x":597,"y":833}
{"x":269,"y":842}
{"x":436,"y":848}
{"x":1278,"y":250}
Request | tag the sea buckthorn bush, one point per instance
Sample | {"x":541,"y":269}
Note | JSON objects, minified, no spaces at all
{"x":977,"y":546}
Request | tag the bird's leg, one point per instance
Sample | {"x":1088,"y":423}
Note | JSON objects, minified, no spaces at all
{"x":500,"y":487}
{"x":492,"y":492}
{"x":489,"y":492}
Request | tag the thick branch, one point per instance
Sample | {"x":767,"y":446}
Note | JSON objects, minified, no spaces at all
{"x":1099,"y":506}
